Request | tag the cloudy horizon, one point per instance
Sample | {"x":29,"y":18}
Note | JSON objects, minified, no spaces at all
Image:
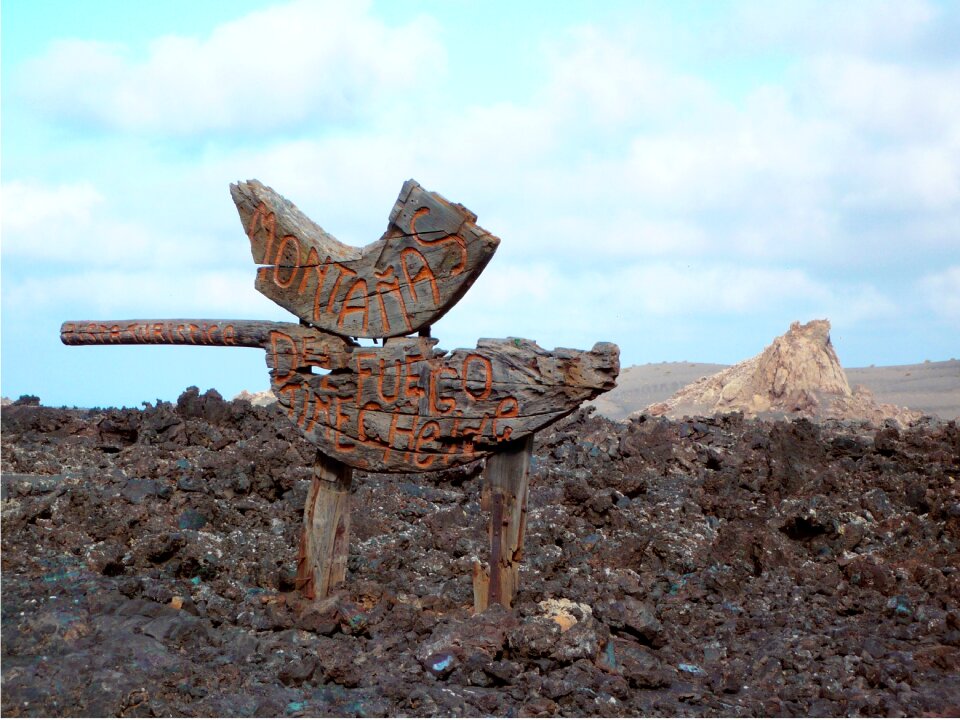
{"x":683,"y":179}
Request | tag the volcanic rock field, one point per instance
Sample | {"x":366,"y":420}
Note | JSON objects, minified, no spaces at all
{"x":691,"y":567}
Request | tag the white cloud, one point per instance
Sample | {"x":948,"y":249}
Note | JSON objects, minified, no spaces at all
{"x":74,"y":225}
{"x":29,"y":206}
{"x":941,"y":292}
{"x":925,"y":177}
{"x":816,"y":25}
{"x":618,"y":146}
{"x":664,"y":289}
{"x":284,"y":66}
{"x":603,"y":80}
{"x":605,"y":165}
{"x":117,"y":294}
{"x":626,"y":190}
{"x":889,"y":98}
{"x":675,"y":290}
{"x":659,"y":302}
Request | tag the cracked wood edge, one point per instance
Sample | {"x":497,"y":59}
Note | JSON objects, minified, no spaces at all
{"x":406,"y":407}
{"x":429,"y":256}
{"x":401,"y":407}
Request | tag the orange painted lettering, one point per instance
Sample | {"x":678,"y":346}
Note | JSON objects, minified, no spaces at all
{"x":487,"y":368}
{"x":331,"y":407}
{"x":312,"y":353}
{"x":321,"y":278}
{"x":362,"y":373}
{"x":342,"y":272}
{"x":469,"y":434}
{"x":395,"y":430}
{"x":290,"y":390}
{"x":279,"y":261}
{"x":342,"y":446}
{"x":358,"y":289}
{"x":390,"y":283}
{"x":306,"y":394}
{"x":289,"y":354}
{"x":361,"y":431}
{"x":313,"y":260}
{"x":396,"y":384}
{"x":422,"y":437}
{"x":440,"y":404}
{"x":319,"y":403}
{"x":506,"y":408}
{"x":411,"y":380}
{"x":461,"y":243}
{"x":268,"y":222}
{"x":425,"y":273}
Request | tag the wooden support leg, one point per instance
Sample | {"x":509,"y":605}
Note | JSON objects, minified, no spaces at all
{"x":325,"y":542}
{"x":506,"y":483}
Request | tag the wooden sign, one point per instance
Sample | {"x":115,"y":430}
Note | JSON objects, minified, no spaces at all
{"x":427,"y":259}
{"x":224,"y":333}
{"x":403,"y":406}
{"x":400,"y":407}
{"x":406,"y":407}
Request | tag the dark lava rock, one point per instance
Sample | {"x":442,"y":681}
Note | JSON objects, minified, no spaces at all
{"x":639,"y":666}
{"x":635,"y":618}
{"x":715,"y":566}
{"x":535,"y":637}
{"x":136,"y":490}
{"x":191,"y":519}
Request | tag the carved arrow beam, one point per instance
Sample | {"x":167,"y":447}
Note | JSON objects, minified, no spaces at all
{"x":430,"y":255}
{"x":401,"y":407}
{"x":406,"y":407}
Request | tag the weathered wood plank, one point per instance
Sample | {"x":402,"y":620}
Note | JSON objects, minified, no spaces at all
{"x":506,"y":488}
{"x":325,"y":542}
{"x":226,"y":333}
{"x":430,"y":255}
{"x":481,"y":587}
{"x":401,"y":407}
{"x":406,"y":407}
{"x":201,"y":331}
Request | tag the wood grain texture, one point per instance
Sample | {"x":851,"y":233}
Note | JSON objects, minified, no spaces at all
{"x":506,"y":487}
{"x":183,"y":331}
{"x":481,"y":587}
{"x":407,"y":407}
{"x":429,"y":256}
{"x":325,"y":543}
{"x":401,"y":407}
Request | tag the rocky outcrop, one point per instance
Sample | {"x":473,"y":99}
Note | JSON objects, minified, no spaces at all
{"x":261,"y":399}
{"x":798,"y":375}
{"x":717,"y":567}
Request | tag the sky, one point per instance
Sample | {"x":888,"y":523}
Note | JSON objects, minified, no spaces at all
{"x":682,"y":178}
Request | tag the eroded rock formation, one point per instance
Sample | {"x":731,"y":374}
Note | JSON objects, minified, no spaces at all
{"x":798,"y":375}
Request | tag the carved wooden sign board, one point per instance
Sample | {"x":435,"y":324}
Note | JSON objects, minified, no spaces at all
{"x":427,"y":259}
{"x":403,"y":406}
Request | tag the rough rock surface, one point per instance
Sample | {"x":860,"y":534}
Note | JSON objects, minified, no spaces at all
{"x":798,"y":375}
{"x":261,"y":398}
{"x":723,"y":566}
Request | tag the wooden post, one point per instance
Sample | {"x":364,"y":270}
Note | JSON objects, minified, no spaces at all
{"x":325,"y":542}
{"x":506,"y":484}
{"x":355,"y":414}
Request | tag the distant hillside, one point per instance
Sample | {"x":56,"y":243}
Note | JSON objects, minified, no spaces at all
{"x":641,"y":385}
{"x":930,"y":387}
